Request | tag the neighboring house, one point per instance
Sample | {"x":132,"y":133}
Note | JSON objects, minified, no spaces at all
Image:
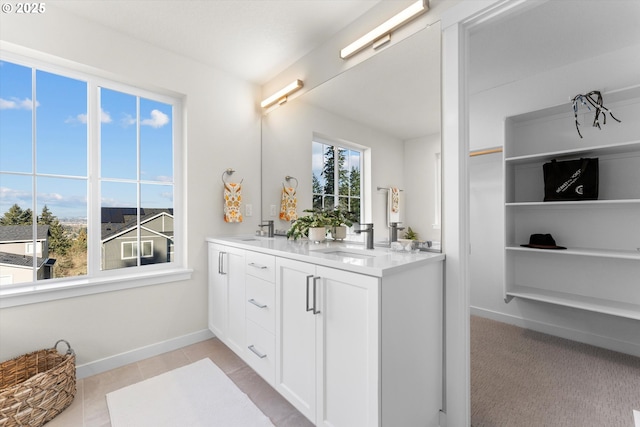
{"x":17,"y":251}
{"x":120,"y":238}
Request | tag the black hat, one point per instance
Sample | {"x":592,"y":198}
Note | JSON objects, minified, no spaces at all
{"x":542,"y":241}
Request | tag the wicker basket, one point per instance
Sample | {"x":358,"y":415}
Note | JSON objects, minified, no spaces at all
{"x":36,"y":387}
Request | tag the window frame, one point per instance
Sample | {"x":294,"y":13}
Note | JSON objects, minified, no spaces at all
{"x":96,"y":280}
{"x":345,"y":145}
{"x":135,"y":242}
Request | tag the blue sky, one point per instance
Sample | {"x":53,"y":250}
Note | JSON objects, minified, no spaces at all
{"x":62,"y":144}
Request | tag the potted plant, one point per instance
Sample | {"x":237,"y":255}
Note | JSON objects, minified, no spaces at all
{"x":313,"y":226}
{"x":410,"y":234}
{"x":339,"y":220}
{"x":409,"y":237}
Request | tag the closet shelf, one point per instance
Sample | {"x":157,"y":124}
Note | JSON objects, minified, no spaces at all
{"x":561,"y":205}
{"x":600,"y":253}
{"x":615,"y":308}
{"x":600,"y":150}
{"x":600,"y":269}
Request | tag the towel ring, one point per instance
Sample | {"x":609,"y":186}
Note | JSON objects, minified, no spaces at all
{"x":289,"y":178}
{"x":229,"y":172}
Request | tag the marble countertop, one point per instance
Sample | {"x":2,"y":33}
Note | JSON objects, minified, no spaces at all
{"x":378,"y":262}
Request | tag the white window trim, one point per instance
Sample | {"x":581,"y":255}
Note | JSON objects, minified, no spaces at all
{"x":338,"y":143}
{"x":142,"y":242}
{"x":29,"y":248}
{"x":109,"y":280}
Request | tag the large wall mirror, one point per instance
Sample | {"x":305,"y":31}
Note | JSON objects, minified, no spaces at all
{"x":388,"y":109}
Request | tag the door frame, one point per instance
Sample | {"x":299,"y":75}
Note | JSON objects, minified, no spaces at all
{"x":457,"y":23}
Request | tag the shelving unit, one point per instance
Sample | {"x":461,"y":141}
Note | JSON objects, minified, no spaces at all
{"x":600,"y":269}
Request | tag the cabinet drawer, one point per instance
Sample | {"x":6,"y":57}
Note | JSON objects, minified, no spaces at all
{"x":261,"y":352}
{"x":261,"y":265}
{"x":261,"y":297}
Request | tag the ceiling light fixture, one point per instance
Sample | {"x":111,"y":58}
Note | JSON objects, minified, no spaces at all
{"x":281,"y":96}
{"x":382,"y":31}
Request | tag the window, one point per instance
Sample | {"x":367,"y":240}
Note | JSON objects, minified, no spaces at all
{"x":88,"y":175}
{"x":29,"y":248}
{"x":130,"y":249}
{"x":336,"y":176}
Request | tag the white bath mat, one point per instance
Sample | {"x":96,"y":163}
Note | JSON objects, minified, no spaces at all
{"x":199,"y":394}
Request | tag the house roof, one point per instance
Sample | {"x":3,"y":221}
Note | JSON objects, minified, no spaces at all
{"x":21,"y":260}
{"x":22,"y":233}
{"x":116,"y":220}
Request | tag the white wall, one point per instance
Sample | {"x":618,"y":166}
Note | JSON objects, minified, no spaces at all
{"x":222,"y":130}
{"x":420,"y":186}
{"x":488,"y":109}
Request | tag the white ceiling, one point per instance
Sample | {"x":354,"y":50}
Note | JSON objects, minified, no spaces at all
{"x":257,"y":39}
{"x":253,"y":39}
{"x":549,"y":34}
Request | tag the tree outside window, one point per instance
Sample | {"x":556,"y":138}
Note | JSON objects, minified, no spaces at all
{"x":336,"y":177}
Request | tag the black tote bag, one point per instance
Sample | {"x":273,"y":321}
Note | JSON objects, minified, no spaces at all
{"x":571,"y":180}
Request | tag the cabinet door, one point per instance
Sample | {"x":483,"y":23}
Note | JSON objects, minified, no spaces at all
{"x":348,"y":351}
{"x":217,"y":292}
{"x":226,"y":295}
{"x":295,"y":336}
{"x":234,"y":267}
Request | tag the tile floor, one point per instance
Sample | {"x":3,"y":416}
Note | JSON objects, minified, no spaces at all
{"x":89,"y":408}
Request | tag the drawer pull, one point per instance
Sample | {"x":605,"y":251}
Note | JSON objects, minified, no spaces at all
{"x":221,"y":263}
{"x":315,"y":306}
{"x":261,"y":267}
{"x":307,"y":293}
{"x":256,"y":352}
{"x":257,"y":304}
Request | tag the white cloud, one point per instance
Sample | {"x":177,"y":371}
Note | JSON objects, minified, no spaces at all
{"x":128,"y":120}
{"x":163,"y":178}
{"x":17,"y":104}
{"x":105,"y":117}
{"x":7,"y":193}
{"x":82,"y":118}
{"x":157,"y":120}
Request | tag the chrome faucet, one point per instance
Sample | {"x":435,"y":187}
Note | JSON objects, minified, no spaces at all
{"x":269,"y":225}
{"x":393,"y":231}
{"x":369,"y":230}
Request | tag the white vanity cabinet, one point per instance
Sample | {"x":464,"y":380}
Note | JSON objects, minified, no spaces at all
{"x":348,"y":341}
{"x":261,"y":314}
{"x":227,"y":295}
{"x":327,"y":343}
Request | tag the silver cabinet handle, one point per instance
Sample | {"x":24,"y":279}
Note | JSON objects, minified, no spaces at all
{"x":257,"y":304}
{"x":256,"y":352}
{"x":315,"y":310}
{"x":308,"y":277}
{"x":261,"y":267}
{"x":221,"y":262}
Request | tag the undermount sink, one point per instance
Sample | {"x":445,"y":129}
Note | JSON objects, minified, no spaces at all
{"x":349,"y":254}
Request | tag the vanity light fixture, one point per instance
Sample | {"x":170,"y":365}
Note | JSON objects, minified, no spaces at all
{"x":381,"y":32}
{"x":281,"y":95}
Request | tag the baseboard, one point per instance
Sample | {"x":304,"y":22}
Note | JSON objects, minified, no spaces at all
{"x":571,"y":334}
{"x":112,"y":362}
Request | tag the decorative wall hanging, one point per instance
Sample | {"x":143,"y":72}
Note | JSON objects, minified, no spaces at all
{"x":232,"y":198}
{"x":289,"y":201}
{"x":593,"y":98}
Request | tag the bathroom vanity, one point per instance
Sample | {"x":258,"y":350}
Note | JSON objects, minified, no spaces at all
{"x":349,"y":336}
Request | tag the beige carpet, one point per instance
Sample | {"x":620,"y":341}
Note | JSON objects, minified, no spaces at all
{"x":524,"y":378}
{"x":196,"y":395}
